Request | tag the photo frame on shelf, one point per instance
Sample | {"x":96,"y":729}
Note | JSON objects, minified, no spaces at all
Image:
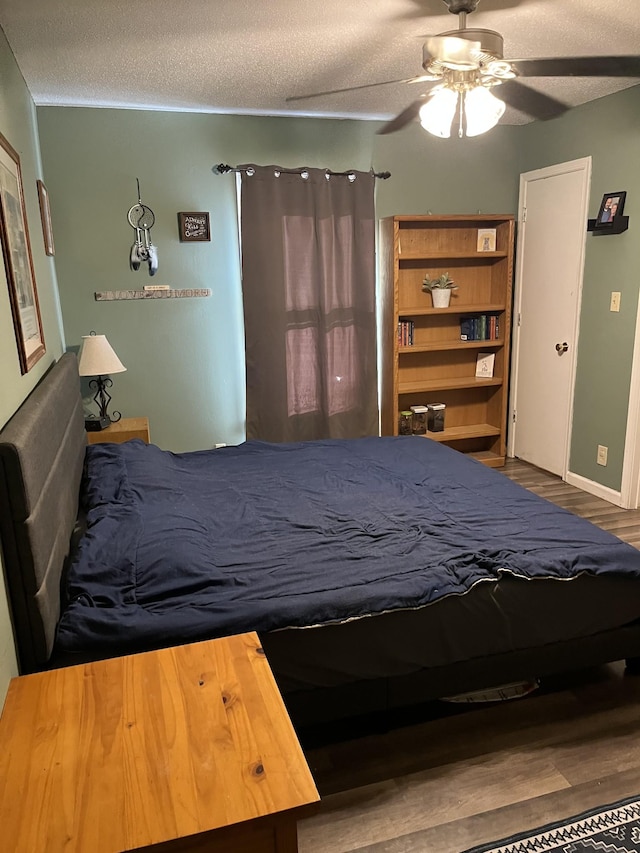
{"x":484,"y":365}
{"x":17,"y":260}
{"x":612,"y":205}
{"x":486,"y":240}
{"x":45,"y":216}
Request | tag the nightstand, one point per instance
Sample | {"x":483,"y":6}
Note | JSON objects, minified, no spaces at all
{"x":122,"y":430}
{"x":185,"y":748}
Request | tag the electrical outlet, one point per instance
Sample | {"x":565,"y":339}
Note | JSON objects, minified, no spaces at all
{"x":615,"y":301}
{"x":602,"y":454}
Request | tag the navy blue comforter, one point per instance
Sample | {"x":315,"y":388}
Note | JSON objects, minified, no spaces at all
{"x":182,"y":547}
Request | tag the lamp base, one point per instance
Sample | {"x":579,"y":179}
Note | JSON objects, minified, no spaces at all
{"x":96,"y":424}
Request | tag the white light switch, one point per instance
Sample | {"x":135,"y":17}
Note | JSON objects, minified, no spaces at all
{"x":615,"y":301}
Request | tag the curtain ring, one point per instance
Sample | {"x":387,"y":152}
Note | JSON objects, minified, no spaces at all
{"x":304,"y":175}
{"x":351,"y":177}
{"x":250,"y":172}
{"x":276,"y":173}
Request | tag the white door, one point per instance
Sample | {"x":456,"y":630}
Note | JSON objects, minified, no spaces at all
{"x":548,"y":285}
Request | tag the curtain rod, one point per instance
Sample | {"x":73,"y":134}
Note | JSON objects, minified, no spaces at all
{"x":222,"y":169}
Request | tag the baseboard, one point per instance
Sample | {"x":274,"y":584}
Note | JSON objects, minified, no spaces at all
{"x":594,"y":488}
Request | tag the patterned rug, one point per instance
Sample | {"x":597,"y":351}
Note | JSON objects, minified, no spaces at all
{"x":608,"y":829}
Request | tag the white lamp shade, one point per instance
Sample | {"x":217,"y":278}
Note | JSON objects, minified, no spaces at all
{"x":437,"y":114}
{"x":482,"y":110}
{"x":97,"y":357}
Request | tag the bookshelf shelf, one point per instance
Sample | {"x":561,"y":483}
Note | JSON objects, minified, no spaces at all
{"x":438,"y":366}
{"x":426,"y":310}
{"x":463,"y":432}
{"x":436,"y":256}
{"x":443,"y":346}
{"x":430,"y":385}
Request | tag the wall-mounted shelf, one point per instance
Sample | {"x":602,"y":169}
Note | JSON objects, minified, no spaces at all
{"x":619,"y":224}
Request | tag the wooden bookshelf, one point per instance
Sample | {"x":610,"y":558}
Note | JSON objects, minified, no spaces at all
{"x":439,"y":367}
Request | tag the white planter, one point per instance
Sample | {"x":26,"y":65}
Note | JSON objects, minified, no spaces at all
{"x":441,"y":297}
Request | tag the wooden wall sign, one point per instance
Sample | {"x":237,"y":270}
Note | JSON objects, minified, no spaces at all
{"x":193,"y":227}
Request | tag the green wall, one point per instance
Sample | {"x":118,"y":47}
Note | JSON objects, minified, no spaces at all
{"x":429,"y":174}
{"x":608,"y":130}
{"x":18,"y":126}
{"x":184,"y":358}
{"x":483,"y":175}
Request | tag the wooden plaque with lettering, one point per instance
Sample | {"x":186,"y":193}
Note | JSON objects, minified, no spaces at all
{"x":193,"y":227}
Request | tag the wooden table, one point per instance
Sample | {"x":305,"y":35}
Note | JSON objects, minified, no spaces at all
{"x":184,"y":749}
{"x":123,"y":430}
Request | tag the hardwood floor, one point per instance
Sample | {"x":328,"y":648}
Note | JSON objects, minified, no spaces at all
{"x":469,"y":776}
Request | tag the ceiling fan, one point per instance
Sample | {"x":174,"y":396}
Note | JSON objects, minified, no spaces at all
{"x":466,"y":64}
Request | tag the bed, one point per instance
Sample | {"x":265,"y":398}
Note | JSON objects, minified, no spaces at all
{"x":378,"y":572}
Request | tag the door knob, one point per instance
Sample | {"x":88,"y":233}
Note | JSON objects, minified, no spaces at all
{"x":563,"y":347}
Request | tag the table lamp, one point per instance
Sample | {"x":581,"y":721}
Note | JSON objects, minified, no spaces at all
{"x":98,"y":359}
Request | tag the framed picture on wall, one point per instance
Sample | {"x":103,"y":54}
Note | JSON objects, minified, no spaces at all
{"x":612,"y":205}
{"x":45,"y":216}
{"x":18,"y":263}
{"x":194,"y":227}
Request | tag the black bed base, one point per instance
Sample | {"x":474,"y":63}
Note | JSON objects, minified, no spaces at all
{"x":319,"y":705}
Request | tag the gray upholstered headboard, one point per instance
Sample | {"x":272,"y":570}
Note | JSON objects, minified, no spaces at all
{"x":42,"y":452}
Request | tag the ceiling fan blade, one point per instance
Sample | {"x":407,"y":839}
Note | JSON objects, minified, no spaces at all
{"x":420,"y":79}
{"x":579,"y":66}
{"x":404,"y":118}
{"x":529,"y":101}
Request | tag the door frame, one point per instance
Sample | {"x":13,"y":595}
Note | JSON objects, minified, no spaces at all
{"x":630,"y":484}
{"x":583,"y":165}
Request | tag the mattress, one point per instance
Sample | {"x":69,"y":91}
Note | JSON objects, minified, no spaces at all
{"x":402,"y":549}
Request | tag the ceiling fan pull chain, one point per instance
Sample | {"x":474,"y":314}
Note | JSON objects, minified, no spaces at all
{"x":461,"y":98}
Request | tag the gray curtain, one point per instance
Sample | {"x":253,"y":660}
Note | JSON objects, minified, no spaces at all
{"x":308,"y":279}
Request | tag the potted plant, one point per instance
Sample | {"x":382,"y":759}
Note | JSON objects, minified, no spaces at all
{"x":440,"y":289}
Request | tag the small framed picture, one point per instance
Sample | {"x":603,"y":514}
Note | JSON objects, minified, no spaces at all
{"x":484,"y":365}
{"x":612,"y":205}
{"x":194,"y":227}
{"x":486,"y":240}
{"x":45,"y":216}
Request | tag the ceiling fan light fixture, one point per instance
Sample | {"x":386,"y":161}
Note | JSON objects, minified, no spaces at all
{"x":437,"y":114}
{"x":451,"y":52}
{"x":500,"y":69}
{"x":482,"y":110}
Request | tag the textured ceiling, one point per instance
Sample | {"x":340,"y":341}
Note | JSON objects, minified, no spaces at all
{"x":247,"y":57}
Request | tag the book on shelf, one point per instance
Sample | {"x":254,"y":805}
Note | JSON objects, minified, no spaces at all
{"x":493,"y":327}
{"x":484,"y":365}
{"x":486,"y":239}
{"x":405,"y":332}
{"x":479,"y":327}
{"x":466,"y":329}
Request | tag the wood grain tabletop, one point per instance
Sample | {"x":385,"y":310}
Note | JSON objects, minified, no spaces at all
{"x":138,"y":750}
